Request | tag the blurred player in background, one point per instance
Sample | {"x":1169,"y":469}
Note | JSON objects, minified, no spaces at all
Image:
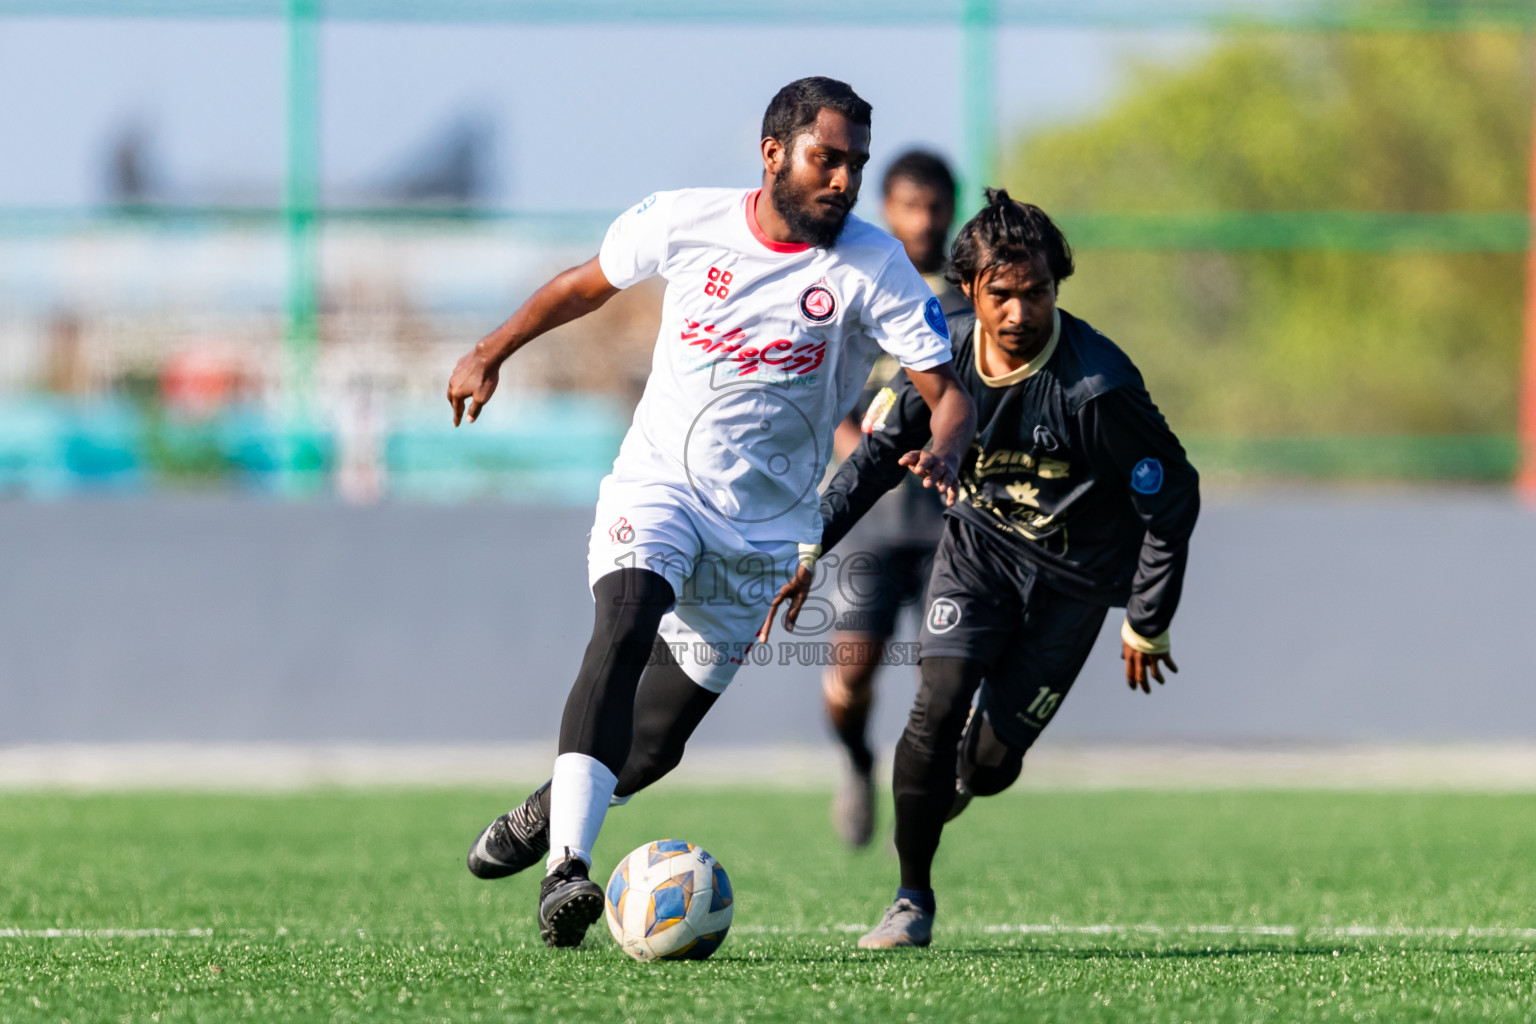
{"x":896,"y":540}
{"x":1074,"y":496}
{"x":777,"y":303}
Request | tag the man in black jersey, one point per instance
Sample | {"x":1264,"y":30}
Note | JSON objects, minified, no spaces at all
{"x":1074,"y":497}
{"x":896,"y":540}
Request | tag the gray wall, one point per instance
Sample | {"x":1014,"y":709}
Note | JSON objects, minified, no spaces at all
{"x":1308,"y":615}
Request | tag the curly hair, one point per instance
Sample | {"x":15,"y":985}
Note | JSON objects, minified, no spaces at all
{"x":1007,"y":231}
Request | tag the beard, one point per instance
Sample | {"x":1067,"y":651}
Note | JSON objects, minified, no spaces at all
{"x":815,"y":222}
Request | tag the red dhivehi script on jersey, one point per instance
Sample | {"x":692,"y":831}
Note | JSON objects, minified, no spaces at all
{"x":731,"y":347}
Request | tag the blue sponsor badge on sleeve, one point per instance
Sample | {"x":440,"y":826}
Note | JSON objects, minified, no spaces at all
{"x":934,"y":314}
{"x":1147,"y":477}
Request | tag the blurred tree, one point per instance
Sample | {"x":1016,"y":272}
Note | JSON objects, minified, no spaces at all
{"x":1254,"y":341}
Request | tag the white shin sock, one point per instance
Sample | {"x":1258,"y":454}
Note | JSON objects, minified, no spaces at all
{"x":579,"y":792}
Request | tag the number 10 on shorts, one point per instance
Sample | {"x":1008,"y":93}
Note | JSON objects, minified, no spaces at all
{"x":1044,"y":705}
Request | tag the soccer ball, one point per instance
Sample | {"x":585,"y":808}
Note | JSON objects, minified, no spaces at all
{"x":669,"y":900}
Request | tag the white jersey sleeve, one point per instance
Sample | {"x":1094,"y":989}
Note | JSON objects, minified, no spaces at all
{"x":635,"y":247}
{"x":904,"y":317}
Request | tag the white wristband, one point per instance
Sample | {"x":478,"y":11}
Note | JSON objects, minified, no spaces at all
{"x":809,"y":553}
{"x":1145,"y":644}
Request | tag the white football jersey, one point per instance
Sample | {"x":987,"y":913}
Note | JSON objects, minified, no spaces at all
{"x":763,"y":348}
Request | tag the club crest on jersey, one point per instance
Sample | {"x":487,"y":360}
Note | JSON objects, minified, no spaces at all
{"x":943,"y":615}
{"x":1147,"y":477}
{"x":817,"y":303}
{"x":934,"y":314}
{"x":621,"y":532}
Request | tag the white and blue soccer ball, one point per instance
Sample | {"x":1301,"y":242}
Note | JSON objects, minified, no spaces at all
{"x":669,"y":900}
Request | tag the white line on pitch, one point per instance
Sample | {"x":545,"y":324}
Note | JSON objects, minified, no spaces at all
{"x":1284,"y":930}
{"x":1143,"y":929}
{"x":1174,"y":931}
{"x":1392,"y":931}
{"x":105,"y":933}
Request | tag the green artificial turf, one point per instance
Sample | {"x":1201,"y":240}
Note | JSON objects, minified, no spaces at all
{"x":1167,"y":906}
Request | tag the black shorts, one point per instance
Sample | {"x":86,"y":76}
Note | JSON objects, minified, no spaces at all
{"x":874,"y":583}
{"x":984,"y":604}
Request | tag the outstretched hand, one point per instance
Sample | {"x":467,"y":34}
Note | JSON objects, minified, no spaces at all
{"x":794,"y":592}
{"x":474,"y":381}
{"x":1140,"y":666}
{"x":936,"y":472}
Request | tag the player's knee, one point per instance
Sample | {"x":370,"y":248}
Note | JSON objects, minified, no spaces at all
{"x":990,"y":780}
{"x":947,"y":687}
{"x":933,"y":732}
{"x":857,"y":659}
{"x":847,"y":688}
{"x":988,"y":763}
{"x":629,"y":604}
{"x":936,"y":724}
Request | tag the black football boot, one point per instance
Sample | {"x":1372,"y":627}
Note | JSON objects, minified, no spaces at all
{"x":569,"y":902}
{"x":513,"y":842}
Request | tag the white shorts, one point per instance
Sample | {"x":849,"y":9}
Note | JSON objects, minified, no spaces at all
{"x":724,"y":582}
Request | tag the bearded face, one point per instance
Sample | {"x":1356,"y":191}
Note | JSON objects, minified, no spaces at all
{"x":812,"y":211}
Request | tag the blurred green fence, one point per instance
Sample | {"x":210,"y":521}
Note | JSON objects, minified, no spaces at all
{"x":1311,"y":233}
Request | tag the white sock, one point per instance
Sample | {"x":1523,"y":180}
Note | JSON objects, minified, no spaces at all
{"x":579,"y":792}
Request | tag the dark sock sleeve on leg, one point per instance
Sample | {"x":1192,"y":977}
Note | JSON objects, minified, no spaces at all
{"x":923,"y":779}
{"x":599,"y":713}
{"x":668,"y":708}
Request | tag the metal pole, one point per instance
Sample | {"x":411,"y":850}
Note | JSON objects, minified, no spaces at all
{"x":301,"y":195}
{"x":978,"y":101}
{"x":1525,"y":476}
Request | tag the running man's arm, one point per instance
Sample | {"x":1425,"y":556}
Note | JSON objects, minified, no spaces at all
{"x":1132,"y":442}
{"x":570,"y":295}
{"x":952,"y":422}
{"x":635,"y":248}
{"x":908,"y":322}
{"x":897,"y":423}
{"x":900,"y":420}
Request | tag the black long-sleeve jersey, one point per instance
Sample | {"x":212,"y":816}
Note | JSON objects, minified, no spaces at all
{"x":911,"y":515}
{"x":1072,"y":468}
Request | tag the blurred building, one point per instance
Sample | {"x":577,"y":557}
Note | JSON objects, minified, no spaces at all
{"x":143,"y":346}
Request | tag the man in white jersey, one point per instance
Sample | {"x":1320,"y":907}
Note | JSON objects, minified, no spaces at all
{"x":777,"y":304}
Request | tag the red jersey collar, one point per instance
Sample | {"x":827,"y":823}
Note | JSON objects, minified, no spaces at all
{"x":758,"y":233}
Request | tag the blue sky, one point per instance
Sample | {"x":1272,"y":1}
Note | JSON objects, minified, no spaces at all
{"x":583,"y":118}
